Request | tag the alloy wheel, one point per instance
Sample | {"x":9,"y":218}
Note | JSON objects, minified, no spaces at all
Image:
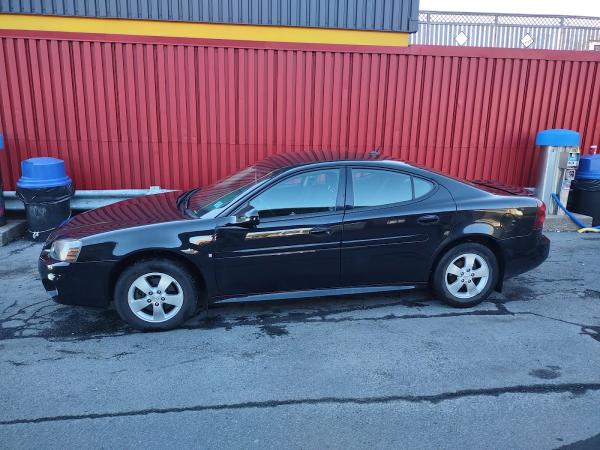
{"x":155,"y":297}
{"x":467,"y":275}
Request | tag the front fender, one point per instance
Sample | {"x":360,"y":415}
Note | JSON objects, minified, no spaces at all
{"x":190,"y":242}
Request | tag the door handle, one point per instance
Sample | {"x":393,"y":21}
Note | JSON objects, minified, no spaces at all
{"x":320,"y":230}
{"x":428,"y":220}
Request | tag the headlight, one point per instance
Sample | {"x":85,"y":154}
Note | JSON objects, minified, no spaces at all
{"x":65,"y":250}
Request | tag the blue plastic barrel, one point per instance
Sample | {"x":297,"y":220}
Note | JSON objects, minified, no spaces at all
{"x":43,"y":173}
{"x":589,"y":168}
{"x":46,"y":191}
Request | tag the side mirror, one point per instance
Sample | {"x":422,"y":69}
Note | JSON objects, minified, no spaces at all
{"x":248,"y":218}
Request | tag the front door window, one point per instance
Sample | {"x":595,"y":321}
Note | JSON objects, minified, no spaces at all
{"x":306,"y":193}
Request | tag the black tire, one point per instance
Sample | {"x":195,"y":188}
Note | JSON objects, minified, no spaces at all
{"x":439,"y":284}
{"x":179,"y":273}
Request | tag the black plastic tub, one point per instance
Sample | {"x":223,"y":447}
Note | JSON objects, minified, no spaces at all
{"x":585,"y":189}
{"x":586,"y":199}
{"x":46,"y":192}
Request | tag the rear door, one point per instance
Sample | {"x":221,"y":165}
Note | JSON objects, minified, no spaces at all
{"x":394,"y":221}
{"x":296,"y":245}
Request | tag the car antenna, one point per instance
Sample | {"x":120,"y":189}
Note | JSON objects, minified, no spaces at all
{"x":375,"y":152}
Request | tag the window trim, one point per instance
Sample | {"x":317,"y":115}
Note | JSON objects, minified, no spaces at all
{"x":350,"y":190}
{"x":340,"y":199}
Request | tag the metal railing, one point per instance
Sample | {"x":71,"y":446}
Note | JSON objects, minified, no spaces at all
{"x":89,"y":199}
{"x":508,"y":30}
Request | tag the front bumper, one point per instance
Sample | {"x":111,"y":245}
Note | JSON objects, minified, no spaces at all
{"x":86,"y":284}
{"x":524,"y":253}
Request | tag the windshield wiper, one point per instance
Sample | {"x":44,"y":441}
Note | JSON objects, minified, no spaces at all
{"x":184,"y":198}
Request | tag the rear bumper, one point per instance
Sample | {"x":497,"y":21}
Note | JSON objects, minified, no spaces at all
{"x":86,"y":284}
{"x":524,"y":253}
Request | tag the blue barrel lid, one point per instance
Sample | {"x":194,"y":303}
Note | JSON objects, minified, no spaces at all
{"x":43,"y":173}
{"x":589,"y":168}
{"x":558,"y":138}
{"x":1,"y":142}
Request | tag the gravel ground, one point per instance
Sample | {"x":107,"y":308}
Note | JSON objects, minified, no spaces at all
{"x":521,"y":370}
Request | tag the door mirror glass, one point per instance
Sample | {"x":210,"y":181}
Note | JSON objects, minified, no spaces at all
{"x":246,"y":218}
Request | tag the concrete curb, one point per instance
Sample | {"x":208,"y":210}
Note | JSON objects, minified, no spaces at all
{"x":14,"y":229}
{"x":561,"y":222}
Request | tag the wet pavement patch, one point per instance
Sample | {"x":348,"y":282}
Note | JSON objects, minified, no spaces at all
{"x":413,"y":304}
{"x":518,"y":292}
{"x":592,"y":293}
{"x":547,"y":373}
{"x":274,"y":330}
{"x":593,"y":332}
{"x":50,"y":321}
{"x":21,"y":249}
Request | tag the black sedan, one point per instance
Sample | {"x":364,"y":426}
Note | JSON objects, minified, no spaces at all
{"x":293,"y":226}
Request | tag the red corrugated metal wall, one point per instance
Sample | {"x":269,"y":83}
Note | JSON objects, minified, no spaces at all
{"x":181,"y":114}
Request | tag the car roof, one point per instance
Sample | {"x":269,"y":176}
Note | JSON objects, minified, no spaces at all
{"x":284,"y":162}
{"x":300,"y":158}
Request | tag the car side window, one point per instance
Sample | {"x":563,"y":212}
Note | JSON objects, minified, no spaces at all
{"x":305,"y":193}
{"x":378,"y":187}
{"x":422,"y":187}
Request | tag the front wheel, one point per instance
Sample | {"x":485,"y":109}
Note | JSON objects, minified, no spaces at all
{"x":466,"y":275}
{"x":155,"y":294}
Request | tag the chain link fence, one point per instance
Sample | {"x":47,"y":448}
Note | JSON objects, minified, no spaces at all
{"x":508,"y":31}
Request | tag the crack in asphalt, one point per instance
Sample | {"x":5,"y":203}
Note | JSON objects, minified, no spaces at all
{"x":272,"y":319}
{"x":23,"y":310}
{"x":53,"y":323}
{"x":575,"y":389}
{"x":64,"y":331}
{"x":588,"y":330}
{"x":20,"y":249}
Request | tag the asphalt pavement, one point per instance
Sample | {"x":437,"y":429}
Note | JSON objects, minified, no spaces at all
{"x":520,"y":371}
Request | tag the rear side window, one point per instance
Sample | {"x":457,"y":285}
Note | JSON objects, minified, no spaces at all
{"x":379,"y":187}
{"x":373,"y":187}
{"x":422,"y":187}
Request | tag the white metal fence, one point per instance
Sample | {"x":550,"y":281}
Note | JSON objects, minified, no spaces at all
{"x":508,"y":31}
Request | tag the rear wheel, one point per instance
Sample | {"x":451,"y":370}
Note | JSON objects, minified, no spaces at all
{"x":466,"y":275}
{"x":156,"y":294}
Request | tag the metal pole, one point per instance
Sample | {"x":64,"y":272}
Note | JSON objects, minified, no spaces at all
{"x":2,"y":209}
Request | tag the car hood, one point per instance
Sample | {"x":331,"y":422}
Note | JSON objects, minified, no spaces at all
{"x":145,"y":210}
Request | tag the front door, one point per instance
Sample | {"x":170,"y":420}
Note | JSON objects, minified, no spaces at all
{"x":394,"y":223}
{"x":296,"y":245}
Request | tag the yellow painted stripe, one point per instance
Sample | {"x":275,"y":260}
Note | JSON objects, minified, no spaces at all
{"x":266,"y":33}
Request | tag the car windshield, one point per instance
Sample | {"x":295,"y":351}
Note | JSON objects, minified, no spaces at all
{"x":220,"y":194}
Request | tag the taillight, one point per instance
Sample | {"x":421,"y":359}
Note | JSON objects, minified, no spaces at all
{"x":540,"y":216}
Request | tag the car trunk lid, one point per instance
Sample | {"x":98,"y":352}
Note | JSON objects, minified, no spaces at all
{"x":498,"y":188}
